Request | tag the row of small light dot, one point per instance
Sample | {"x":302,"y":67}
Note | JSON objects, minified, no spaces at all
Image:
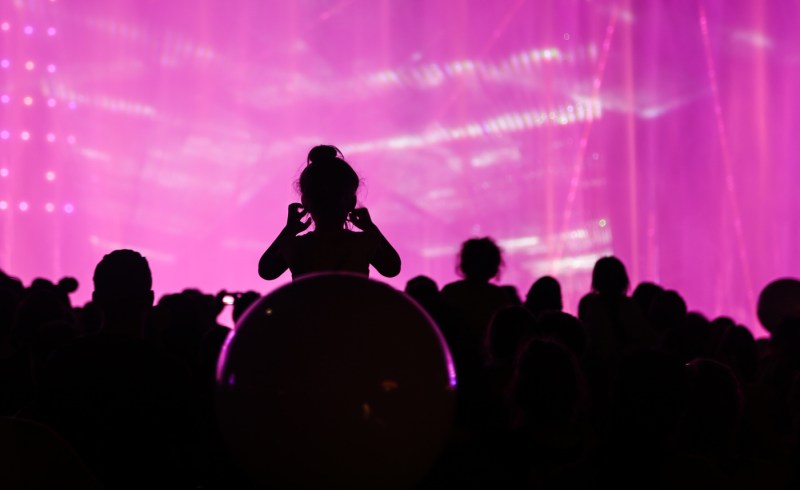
{"x":26,"y":136}
{"x":24,"y":206}
{"x":28,"y":101}
{"x":28,"y":30}
{"x":29,"y":65}
{"x":49,"y":207}
{"x":49,"y":175}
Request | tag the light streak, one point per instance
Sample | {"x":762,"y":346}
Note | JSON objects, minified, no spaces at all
{"x":577,"y":170}
{"x":730,"y":185}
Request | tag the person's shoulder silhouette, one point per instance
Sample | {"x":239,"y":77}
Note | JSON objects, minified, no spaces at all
{"x":117,"y":397}
{"x":614,"y":321}
{"x":328,"y":187}
{"x":474,"y":297}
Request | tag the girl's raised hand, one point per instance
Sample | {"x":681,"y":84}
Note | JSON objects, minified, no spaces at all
{"x":361,"y":219}
{"x":294,"y":221}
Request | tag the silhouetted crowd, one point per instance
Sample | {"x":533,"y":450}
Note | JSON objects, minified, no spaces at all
{"x":636,"y":391}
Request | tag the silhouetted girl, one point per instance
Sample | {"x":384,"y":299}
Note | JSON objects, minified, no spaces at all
{"x":328,"y":188}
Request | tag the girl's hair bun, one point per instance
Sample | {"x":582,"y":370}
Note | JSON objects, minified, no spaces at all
{"x":322,"y":153}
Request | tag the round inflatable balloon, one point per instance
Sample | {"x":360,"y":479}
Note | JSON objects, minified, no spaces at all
{"x":335,"y":381}
{"x":778,"y":300}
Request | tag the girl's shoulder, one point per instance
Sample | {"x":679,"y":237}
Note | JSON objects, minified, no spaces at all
{"x":343,"y":236}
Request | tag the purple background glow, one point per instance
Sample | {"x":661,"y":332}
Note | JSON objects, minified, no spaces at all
{"x":662,"y":132}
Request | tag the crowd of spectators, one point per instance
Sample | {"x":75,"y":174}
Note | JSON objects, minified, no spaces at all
{"x":636,"y":390}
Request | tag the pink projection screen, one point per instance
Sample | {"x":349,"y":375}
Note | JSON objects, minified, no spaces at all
{"x":661,"y":132}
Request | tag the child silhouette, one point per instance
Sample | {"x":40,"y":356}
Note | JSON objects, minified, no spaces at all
{"x":328,"y":187}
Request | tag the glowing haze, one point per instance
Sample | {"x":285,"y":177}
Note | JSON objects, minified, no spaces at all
{"x":662,"y":132}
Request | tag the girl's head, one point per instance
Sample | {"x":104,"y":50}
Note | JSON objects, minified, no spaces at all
{"x":480,"y":259}
{"x":328,"y":186}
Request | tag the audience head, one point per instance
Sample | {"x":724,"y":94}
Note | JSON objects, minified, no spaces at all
{"x":645,"y":293}
{"x":544,"y":295}
{"x":691,"y":339}
{"x":480,"y":259}
{"x":179,"y":321}
{"x":778,"y":300}
{"x":714,"y":411}
{"x":720,"y":328}
{"x":41,"y":283}
{"x":68,"y":284}
{"x":43,"y":321}
{"x":737,"y":349}
{"x":609,"y":277}
{"x":423,"y":289}
{"x":509,"y":328}
{"x":667,"y":310}
{"x":123,"y":286}
{"x":548,"y":385}
{"x":62,"y":293}
{"x":328,"y":186}
{"x":564,"y":328}
{"x":192,"y":307}
{"x":12,"y":284}
{"x":785,"y":340}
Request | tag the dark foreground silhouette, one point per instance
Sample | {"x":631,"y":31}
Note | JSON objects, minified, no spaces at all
{"x":633,"y":392}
